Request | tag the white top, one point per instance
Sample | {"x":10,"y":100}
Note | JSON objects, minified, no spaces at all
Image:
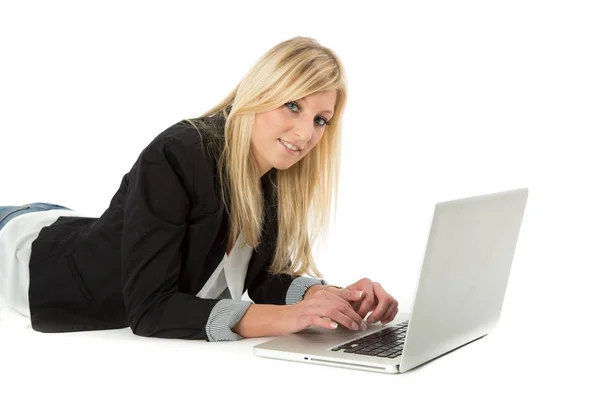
{"x":15,"y":252}
{"x":230,"y":273}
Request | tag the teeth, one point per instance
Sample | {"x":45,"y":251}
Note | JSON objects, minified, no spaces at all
{"x":289,"y":146}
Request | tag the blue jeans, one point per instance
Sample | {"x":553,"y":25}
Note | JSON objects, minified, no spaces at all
{"x":9,"y":212}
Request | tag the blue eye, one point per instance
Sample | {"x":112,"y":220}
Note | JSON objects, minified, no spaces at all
{"x":325,"y":122}
{"x":293,"y":103}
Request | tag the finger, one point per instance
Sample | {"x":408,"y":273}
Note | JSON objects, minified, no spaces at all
{"x":389,"y":315}
{"x":379,"y":311}
{"x":336,"y":315}
{"x":315,"y":320}
{"x":349,"y":311}
{"x":393,"y":307}
{"x":356,"y":303}
{"x":353,"y":297}
{"x":368,"y":301}
{"x":367,"y":306}
{"x":343,"y":306}
{"x":347,"y":294}
{"x":393,"y":316}
{"x":385,"y":301}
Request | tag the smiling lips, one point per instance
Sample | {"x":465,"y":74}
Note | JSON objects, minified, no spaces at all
{"x":287,"y":148}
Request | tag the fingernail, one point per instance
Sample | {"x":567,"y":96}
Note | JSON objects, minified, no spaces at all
{"x":354,"y":326}
{"x":363,"y":325}
{"x":333,"y":325}
{"x":359,"y":294}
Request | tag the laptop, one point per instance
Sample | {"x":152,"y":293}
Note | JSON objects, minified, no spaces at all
{"x":458,"y":298}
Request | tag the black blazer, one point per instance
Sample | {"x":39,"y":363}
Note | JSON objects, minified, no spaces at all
{"x":142,"y":262}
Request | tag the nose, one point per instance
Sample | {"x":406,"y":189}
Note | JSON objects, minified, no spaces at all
{"x":304,"y":130}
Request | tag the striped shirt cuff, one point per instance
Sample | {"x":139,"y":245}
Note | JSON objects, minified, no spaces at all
{"x":224,"y":316}
{"x":299,"y":286}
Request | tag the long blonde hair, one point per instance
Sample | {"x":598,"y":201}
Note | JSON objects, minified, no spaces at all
{"x":306,"y":191}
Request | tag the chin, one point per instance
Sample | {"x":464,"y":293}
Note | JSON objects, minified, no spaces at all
{"x":282,"y":167}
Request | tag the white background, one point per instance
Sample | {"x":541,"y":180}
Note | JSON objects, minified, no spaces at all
{"x":446,"y":100}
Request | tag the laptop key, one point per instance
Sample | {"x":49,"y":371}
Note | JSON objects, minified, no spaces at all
{"x":353,"y":350}
{"x":379,"y":341}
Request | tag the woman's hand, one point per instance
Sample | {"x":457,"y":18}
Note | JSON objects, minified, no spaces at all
{"x":322,"y":309}
{"x":383,"y":306}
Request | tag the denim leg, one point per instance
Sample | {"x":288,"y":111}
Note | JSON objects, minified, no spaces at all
{"x":9,"y":212}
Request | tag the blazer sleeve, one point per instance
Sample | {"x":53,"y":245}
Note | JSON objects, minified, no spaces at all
{"x":156,"y":206}
{"x":280,"y":289}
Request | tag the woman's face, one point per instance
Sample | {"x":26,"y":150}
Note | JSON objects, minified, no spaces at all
{"x":300,"y":122}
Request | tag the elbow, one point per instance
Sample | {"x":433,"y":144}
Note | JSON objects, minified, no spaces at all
{"x":139,"y":321}
{"x":144,"y":317}
{"x":138,"y":325}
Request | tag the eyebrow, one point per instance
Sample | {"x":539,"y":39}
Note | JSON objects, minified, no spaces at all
{"x":322,"y":112}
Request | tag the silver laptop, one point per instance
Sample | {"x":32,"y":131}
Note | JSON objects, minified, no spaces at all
{"x":458,"y":299}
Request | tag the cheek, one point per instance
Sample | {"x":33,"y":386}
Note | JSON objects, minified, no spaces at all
{"x":317,"y":138}
{"x":313,"y":144}
{"x":272,"y":123}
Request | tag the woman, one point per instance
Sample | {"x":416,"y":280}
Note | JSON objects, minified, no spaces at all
{"x":212,"y":207}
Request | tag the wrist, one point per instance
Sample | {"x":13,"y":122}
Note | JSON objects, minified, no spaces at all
{"x":315,"y":288}
{"x":261,"y":320}
{"x":311,"y":290}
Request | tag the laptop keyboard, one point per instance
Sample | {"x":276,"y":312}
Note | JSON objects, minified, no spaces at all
{"x":386,"y":343}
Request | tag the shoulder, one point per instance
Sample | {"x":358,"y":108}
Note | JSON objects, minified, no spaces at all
{"x":187,"y":152}
{"x":176,"y":137}
{"x":202,"y":139}
{"x":182,"y":145}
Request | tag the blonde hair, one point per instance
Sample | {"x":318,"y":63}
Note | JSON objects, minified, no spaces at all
{"x":306,"y":191}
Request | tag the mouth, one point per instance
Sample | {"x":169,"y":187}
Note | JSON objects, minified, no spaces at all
{"x":289,"y":150}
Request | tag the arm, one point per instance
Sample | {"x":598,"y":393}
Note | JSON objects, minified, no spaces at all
{"x":155,"y":209}
{"x":281,"y":289}
{"x":263,"y":319}
{"x":260,"y":320}
{"x":272,"y":293}
{"x":266,"y":319}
